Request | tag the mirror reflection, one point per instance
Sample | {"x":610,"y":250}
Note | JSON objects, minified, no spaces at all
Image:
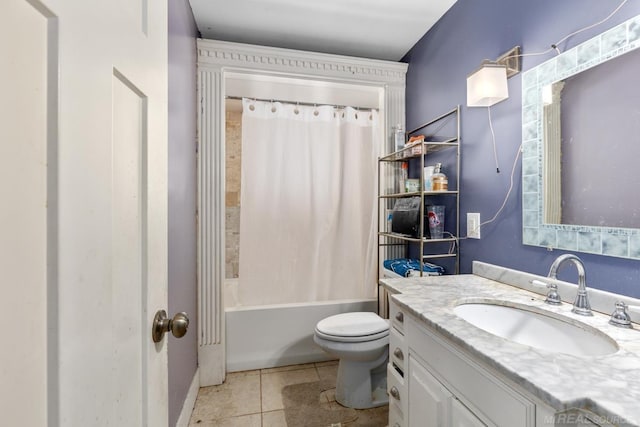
{"x":591,"y":136}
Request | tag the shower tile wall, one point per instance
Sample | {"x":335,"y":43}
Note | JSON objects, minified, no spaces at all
{"x":232,"y":196}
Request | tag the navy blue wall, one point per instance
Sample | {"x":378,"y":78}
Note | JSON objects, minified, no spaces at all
{"x":438,"y":67}
{"x":183,"y":353}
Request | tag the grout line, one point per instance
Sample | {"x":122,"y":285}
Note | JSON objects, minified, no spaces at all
{"x":261,"y":408}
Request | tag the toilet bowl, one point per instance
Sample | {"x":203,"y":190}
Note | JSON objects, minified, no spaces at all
{"x":361,"y":342}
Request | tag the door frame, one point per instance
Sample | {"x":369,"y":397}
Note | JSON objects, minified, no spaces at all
{"x":216,"y":60}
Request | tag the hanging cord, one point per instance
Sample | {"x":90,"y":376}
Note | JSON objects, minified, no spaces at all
{"x":452,"y":246}
{"x":554,"y":46}
{"x":493,"y":138}
{"x":506,"y":197}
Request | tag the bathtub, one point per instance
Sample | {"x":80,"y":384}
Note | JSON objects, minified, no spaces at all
{"x":268,"y":336}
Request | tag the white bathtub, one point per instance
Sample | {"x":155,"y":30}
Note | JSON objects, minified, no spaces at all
{"x":277,"y":335}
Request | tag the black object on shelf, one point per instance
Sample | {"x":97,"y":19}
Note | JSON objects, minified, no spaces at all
{"x":406,"y":217}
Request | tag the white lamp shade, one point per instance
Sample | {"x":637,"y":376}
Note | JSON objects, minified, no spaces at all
{"x":487,"y":86}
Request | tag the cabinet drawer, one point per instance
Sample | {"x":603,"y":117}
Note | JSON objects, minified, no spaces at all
{"x":395,"y":417}
{"x":397,"y":316}
{"x":397,"y":397}
{"x":398,"y":351}
{"x":477,"y":388}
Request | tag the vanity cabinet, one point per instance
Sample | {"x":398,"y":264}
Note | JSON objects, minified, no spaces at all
{"x":431,"y":404}
{"x":396,"y":369}
{"x":461,"y":416}
{"x":439,"y":385}
{"x":429,"y":400}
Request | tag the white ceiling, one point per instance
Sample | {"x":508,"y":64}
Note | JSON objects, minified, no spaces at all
{"x":378,"y":29}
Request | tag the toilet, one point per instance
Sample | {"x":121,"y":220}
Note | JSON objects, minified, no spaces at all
{"x":361,"y":342}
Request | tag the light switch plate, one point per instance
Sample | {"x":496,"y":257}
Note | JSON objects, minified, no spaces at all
{"x":473,"y":225}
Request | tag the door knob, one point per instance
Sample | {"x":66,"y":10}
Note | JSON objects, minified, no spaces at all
{"x":161,"y":324}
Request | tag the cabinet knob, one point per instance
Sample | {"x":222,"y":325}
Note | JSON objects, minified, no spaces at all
{"x":394,"y":393}
{"x":400,"y":317}
{"x":398,"y":353}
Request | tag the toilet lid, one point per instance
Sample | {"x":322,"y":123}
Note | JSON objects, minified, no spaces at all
{"x":353,"y":325}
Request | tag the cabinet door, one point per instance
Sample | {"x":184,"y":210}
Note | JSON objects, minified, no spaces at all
{"x":461,"y":416}
{"x":429,"y":401}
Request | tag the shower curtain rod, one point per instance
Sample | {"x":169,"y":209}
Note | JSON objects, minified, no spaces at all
{"x":309,"y":104}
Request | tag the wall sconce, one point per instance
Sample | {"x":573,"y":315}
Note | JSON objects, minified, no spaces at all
{"x":488,"y":85}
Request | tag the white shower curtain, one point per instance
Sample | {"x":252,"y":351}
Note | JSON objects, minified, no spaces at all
{"x":308,"y":203}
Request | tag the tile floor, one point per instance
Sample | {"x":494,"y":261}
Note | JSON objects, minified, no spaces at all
{"x":254,"y":398}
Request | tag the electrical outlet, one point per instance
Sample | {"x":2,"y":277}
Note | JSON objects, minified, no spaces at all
{"x":473,"y":225}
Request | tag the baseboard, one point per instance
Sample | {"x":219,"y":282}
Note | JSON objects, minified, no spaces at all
{"x":262,"y":363}
{"x":189,"y":401}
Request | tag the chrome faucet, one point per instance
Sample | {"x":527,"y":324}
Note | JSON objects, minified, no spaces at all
{"x":581,"y":303}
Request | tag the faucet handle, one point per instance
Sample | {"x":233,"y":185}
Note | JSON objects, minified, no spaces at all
{"x":620,"y":317}
{"x":553,"y":297}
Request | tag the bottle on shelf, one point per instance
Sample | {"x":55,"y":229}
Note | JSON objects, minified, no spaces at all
{"x":398,"y":135}
{"x":403,"y":177}
{"x":428,"y":173}
{"x":439,"y":181}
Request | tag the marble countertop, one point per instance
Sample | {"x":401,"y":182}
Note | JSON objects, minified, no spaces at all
{"x":608,"y":386}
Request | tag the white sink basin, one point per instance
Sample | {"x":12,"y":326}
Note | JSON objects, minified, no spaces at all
{"x":536,"y":329}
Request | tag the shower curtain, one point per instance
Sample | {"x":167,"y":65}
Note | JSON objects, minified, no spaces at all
{"x":308,"y":203}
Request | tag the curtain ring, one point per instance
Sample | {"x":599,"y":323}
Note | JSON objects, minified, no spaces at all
{"x":315,"y":110}
{"x":296,"y":111}
{"x":252,"y":106}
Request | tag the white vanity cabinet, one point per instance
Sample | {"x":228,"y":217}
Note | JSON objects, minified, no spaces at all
{"x":438,"y":385}
{"x":397,"y":369}
{"x":429,"y":400}
{"x":431,"y":404}
{"x":461,"y":416}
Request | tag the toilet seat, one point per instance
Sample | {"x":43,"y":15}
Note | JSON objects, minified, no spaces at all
{"x":361,"y":342}
{"x":353,"y":327}
{"x":363,"y":338}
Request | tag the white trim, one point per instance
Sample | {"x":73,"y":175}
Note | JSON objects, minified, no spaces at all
{"x":215,"y":60}
{"x":216,"y":54}
{"x":189,"y":401}
{"x":212,"y":359}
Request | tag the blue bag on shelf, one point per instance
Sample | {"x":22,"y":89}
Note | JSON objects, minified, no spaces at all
{"x":411,"y":267}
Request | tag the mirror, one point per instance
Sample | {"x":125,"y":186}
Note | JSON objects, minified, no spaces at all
{"x":576,"y":148}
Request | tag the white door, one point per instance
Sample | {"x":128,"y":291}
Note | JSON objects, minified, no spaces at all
{"x":83,"y":220}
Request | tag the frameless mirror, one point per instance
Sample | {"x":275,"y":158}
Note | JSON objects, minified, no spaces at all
{"x":581,"y":142}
